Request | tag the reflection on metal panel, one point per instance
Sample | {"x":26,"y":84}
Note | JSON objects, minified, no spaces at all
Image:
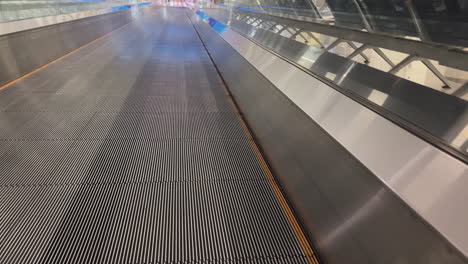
{"x":432,"y":110}
{"x":22,"y":52}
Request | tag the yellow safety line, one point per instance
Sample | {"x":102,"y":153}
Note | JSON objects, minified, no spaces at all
{"x":300,"y":236}
{"x":59,"y":58}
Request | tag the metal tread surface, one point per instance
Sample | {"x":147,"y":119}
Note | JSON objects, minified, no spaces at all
{"x":114,"y":161}
{"x":167,"y":222}
{"x":114,"y":103}
{"x":129,"y":151}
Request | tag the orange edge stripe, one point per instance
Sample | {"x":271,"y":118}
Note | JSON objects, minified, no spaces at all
{"x":59,"y":58}
{"x":300,"y":236}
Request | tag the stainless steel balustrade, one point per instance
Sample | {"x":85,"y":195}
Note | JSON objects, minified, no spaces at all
{"x":358,"y":65}
{"x":11,"y":10}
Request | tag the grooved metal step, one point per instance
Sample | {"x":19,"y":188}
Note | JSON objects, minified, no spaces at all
{"x":129,"y":151}
{"x":171,"y":222}
{"x":126,"y":161}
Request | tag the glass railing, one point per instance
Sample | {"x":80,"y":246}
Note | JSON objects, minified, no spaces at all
{"x":441,"y":21}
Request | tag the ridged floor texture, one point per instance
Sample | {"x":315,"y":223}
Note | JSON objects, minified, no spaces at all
{"x":128,"y":151}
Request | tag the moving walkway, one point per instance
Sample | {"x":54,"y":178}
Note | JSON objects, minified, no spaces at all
{"x":191,"y":135}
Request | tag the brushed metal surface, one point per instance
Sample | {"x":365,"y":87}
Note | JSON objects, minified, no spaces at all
{"x":25,"y":51}
{"x":443,"y":116}
{"x":12,"y":10}
{"x":352,"y":174}
{"x":30,"y":23}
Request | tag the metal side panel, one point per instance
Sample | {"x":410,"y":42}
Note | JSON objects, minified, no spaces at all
{"x":414,"y":106}
{"x":352,"y":214}
{"x":42,"y":21}
{"x":22,"y":52}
